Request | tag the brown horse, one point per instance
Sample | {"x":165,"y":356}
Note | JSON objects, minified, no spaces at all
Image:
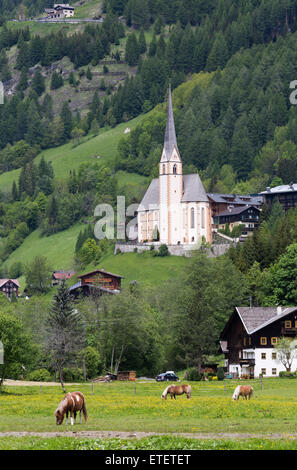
{"x":71,"y":403}
{"x":177,"y":390}
{"x":243,"y":390}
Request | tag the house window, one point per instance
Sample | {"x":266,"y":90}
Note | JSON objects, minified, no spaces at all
{"x":192,"y":218}
{"x":274,"y":340}
{"x":263,"y":355}
{"x":273,"y":371}
{"x":263,"y":340}
{"x":263,"y":371}
{"x":288,"y":324}
{"x":273,"y":356}
{"x":174,"y":169}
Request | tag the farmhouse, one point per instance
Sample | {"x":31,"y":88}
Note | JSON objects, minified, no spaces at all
{"x":58,"y":276}
{"x":8,"y":286}
{"x":221,"y":202}
{"x":247,"y":216}
{"x":97,"y":281}
{"x":60,"y":10}
{"x":250,"y":336}
{"x":286,"y":194}
{"x":175,"y":208}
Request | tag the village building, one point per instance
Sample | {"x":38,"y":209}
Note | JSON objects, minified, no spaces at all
{"x":249,"y":338}
{"x":247,"y":216}
{"x":221,"y":202}
{"x":175,"y":209}
{"x":9,"y":286}
{"x":59,"y":276}
{"x":286,"y":194}
{"x":97,"y":282}
{"x":60,"y":10}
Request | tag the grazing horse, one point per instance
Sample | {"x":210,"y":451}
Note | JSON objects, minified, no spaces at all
{"x":71,"y":403}
{"x":244,"y":391}
{"x":177,"y":390}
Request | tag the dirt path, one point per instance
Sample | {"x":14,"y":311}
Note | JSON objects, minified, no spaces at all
{"x":139,"y":435}
{"x":26,"y":383}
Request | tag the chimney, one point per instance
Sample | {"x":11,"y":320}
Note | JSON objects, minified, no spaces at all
{"x":279,"y":310}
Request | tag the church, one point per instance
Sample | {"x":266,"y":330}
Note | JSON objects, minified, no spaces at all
{"x":175,"y":209}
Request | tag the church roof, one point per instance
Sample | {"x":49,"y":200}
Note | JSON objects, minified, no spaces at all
{"x":193,"y":191}
{"x":170,"y":136}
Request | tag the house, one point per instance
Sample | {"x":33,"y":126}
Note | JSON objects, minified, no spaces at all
{"x":249,"y":338}
{"x":286,"y":194}
{"x":175,"y":208}
{"x":8,"y":286}
{"x":221,"y":202}
{"x":60,"y":10}
{"x":247,"y":216}
{"x":97,"y":281}
{"x":58,"y":276}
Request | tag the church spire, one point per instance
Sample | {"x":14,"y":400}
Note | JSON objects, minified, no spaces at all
{"x":170,"y":136}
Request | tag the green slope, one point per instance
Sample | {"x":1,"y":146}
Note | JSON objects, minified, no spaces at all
{"x":69,"y":157}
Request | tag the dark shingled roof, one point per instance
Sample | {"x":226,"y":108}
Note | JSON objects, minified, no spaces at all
{"x":236,"y":210}
{"x":256,"y":318}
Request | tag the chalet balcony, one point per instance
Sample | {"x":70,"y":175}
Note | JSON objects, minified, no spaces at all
{"x":249,"y":361}
{"x":288,"y":331}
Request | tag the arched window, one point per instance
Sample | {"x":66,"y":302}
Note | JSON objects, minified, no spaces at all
{"x":202,"y":218}
{"x":174,"y":169}
{"x":192,"y":218}
{"x":164,"y":169}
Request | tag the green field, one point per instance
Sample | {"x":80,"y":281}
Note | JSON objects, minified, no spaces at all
{"x":210,"y":419}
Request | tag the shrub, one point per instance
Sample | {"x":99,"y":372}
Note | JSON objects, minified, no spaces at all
{"x":39,"y":375}
{"x":163,"y":250}
{"x":193,"y":374}
{"x":288,"y":375}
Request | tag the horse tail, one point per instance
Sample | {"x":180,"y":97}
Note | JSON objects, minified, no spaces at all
{"x":84,"y":410}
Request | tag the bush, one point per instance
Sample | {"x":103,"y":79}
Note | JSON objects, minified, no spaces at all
{"x":193,"y":374}
{"x":40,"y":375}
{"x":288,"y":375}
{"x":163,"y":250}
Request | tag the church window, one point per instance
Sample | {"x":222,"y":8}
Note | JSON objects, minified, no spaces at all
{"x":164,"y":169}
{"x":174,"y":169}
{"x":202,"y":218}
{"x":192,"y":218}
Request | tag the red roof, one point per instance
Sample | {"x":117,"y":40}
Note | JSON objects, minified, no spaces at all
{"x":4,"y":281}
{"x":63,"y":274}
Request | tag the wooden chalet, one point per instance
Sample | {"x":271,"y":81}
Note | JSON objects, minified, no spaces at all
{"x":247,"y":216}
{"x":286,"y":194}
{"x":249,"y":338}
{"x":97,"y":281}
{"x":8,"y":286}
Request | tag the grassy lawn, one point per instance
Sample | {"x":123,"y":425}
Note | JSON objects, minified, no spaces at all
{"x":137,"y":407}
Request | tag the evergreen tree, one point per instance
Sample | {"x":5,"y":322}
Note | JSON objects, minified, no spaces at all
{"x":65,"y":331}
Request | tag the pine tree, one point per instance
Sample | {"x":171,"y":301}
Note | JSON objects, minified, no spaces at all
{"x":65,"y":331}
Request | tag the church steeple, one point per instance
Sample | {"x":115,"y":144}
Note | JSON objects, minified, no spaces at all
{"x":170,"y":142}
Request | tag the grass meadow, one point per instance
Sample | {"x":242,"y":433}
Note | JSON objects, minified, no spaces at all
{"x":209,"y":420}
